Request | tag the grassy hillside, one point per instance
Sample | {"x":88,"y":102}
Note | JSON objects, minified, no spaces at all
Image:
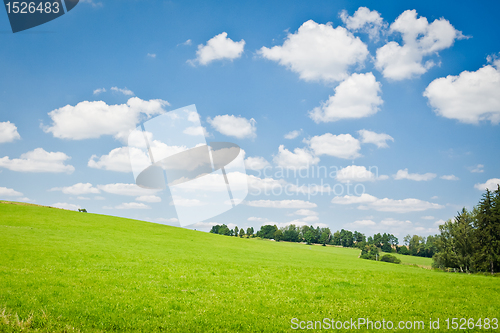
{"x":71,"y":271}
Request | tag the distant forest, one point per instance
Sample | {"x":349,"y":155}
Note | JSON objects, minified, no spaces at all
{"x":470,"y":242}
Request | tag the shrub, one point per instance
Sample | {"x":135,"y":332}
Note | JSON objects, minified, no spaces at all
{"x":390,"y":258}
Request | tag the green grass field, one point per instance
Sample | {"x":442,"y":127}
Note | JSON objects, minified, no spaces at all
{"x":64,"y":271}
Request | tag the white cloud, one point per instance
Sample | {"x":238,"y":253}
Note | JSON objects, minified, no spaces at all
{"x":38,"y":160}
{"x":351,"y":199}
{"x":403,"y":206}
{"x":117,"y":160}
{"x":82,"y":198}
{"x":218,"y":48}
{"x":88,"y":120}
{"x":293,"y":134}
{"x":126,"y":189}
{"x":428,"y":217}
{"x":386,"y":204}
{"x":364,"y":20}
{"x":341,"y":146}
{"x":132,"y":205}
{"x":300,"y":158}
{"x":64,"y":205}
{"x":394,"y":223}
{"x":281,"y":204}
{"x":196,"y":130}
{"x":318,"y":52}
{"x":470,"y":97}
{"x":148,"y":198}
{"x":477,"y":169}
{"x":403,"y":174}
{"x":151,"y":55}
{"x":363,"y":223}
{"x":256,"y":163}
{"x":490,"y":184}
{"x":187,"y":42}
{"x":420,"y":39}
{"x":125,"y":91}
{"x":8,"y":132}
{"x":238,"y":127}
{"x":449,"y":177}
{"x":439,"y":222}
{"x":378,"y":139}
{"x":8,"y":192}
{"x":99,"y":91}
{"x":77,"y":189}
{"x":305,"y":212}
{"x":356,"y":97}
{"x":355,"y":173}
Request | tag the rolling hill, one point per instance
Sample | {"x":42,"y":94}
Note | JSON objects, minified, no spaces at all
{"x":64,"y":271}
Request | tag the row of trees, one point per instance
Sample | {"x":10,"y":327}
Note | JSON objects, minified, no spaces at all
{"x":471,"y":241}
{"x":224,"y":230}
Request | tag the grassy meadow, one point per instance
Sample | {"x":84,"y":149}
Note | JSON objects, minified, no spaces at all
{"x":64,"y":271}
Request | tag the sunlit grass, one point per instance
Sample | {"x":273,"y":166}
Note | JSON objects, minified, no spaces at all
{"x":76,"y":271}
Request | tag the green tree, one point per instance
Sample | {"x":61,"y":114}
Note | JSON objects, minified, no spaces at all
{"x":250,"y":231}
{"x":324,"y":238}
{"x":487,"y":224}
{"x":278,"y":235}
{"x":309,"y":237}
{"x":242,"y":232}
{"x":236,"y":231}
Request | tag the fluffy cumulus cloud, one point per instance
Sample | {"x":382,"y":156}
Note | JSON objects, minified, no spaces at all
{"x":8,"y":132}
{"x":364,"y":20}
{"x":148,"y":198}
{"x":420,"y":39}
{"x":99,"y":91}
{"x":351,"y":199}
{"x":256,"y":163}
{"x":88,"y":120}
{"x":230,"y":125}
{"x":341,"y":146}
{"x":355,"y":173}
{"x":318,"y":52}
{"x":367,"y":201}
{"x":293,"y":134}
{"x":8,"y":192}
{"x":78,"y":189}
{"x":117,"y":160}
{"x":356,"y":97}
{"x":298,"y":159}
{"x":378,"y":139}
{"x":38,"y":160}
{"x":491,"y":184}
{"x":218,"y":48}
{"x":403,"y":174}
{"x":470,"y":97}
{"x":296,"y":204}
{"x":126,"y":189}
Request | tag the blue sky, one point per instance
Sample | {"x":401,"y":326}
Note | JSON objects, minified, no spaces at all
{"x":409,"y":91}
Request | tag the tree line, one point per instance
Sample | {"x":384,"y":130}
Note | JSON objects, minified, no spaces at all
{"x":468,"y":243}
{"x":471,"y":241}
